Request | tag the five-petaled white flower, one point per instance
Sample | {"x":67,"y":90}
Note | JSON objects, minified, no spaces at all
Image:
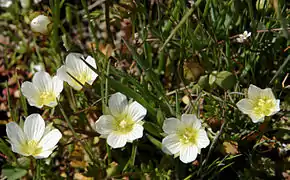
{"x":75,"y":66}
{"x":43,"y":90}
{"x":260,"y":103}
{"x":40,"y":24}
{"x":243,"y":37}
{"x":124,"y":122}
{"x":34,"y":139}
{"x":184,"y":138}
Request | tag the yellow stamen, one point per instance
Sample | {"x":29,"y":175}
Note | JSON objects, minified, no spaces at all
{"x":31,"y":148}
{"x":124,"y":124}
{"x":188,"y":135}
{"x":264,"y":106}
{"x":46,"y":97}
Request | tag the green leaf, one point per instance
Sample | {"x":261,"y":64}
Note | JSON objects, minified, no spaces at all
{"x":13,"y":173}
{"x":6,"y":150}
{"x":152,"y":129}
{"x":160,"y":117}
{"x":212,"y":79}
{"x":225,"y":80}
{"x":203,"y":82}
{"x":156,"y":142}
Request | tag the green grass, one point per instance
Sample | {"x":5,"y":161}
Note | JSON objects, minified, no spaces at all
{"x":181,"y":52}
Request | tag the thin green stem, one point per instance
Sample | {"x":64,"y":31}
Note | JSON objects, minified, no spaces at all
{"x":84,"y":144}
{"x":37,"y":175}
{"x":131,"y":161}
{"x":109,"y":153}
{"x":183,"y":20}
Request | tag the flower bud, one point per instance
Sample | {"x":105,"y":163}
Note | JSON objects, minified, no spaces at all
{"x":40,"y":24}
{"x":25,"y":4}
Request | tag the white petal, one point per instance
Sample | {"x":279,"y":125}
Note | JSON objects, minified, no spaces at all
{"x":116,"y":140}
{"x":5,"y":3}
{"x":29,"y":90}
{"x":18,"y":149}
{"x":42,"y":81}
{"x":255,"y":118}
{"x":267,"y":93}
{"x":48,"y":128}
{"x":31,"y":93}
{"x":246,"y":106}
{"x":105,"y":124}
{"x":62,"y":74}
{"x":117,"y":104}
{"x":34,"y":127}
{"x":202,"y":139}
{"x":136,"y":111}
{"x":254,"y":92}
{"x":240,"y":40}
{"x":188,"y":153}
{"x":94,"y":75}
{"x":136,"y":133}
{"x":49,"y":141}
{"x":73,"y":62}
{"x":52,"y":103}
{"x":170,"y":125}
{"x":57,"y":85}
{"x":91,"y":61}
{"x":43,"y":155}
{"x":171,"y":143}
{"x":15,"y":134}
{"x":191,"y":120}
{"x":165,"y":150}
{"x":277,"y":107}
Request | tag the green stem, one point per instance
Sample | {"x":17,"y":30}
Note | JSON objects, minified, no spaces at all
{"x":84,"y":144}
{"x":213,"y":144}
{"x":109,"y":153}
{"x":38,"y":170}
{"x":131,"y":161}
{"x":183,"y":20}
{"x":91,"y":26}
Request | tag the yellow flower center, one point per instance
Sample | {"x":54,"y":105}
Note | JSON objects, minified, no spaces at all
{"x":46,"y":97}
{"x":31,"y":148}
{"x":264,"y":106}
{"x":124,"y":124}
{"x":82,"y":78}
{"x":188,"y":135}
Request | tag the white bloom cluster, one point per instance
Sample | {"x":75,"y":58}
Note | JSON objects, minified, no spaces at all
{"x":35,"y":139}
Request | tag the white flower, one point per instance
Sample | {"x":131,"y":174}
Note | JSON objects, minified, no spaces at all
{"x":123,"y":124}
{"x":34,"y":139}
{"x":40,"y":24}
{"x":37,"y":1}
{"x":184,"y":138}
{"x":243,"y":37}
{"x":25,"y":4}
{"x":260,"y":103}
{"x":5,"y":3}
{"x":43,"y":90}
{"x":75,"y":66}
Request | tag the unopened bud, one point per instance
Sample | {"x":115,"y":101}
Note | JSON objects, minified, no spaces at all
{"x":40,"y":24}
